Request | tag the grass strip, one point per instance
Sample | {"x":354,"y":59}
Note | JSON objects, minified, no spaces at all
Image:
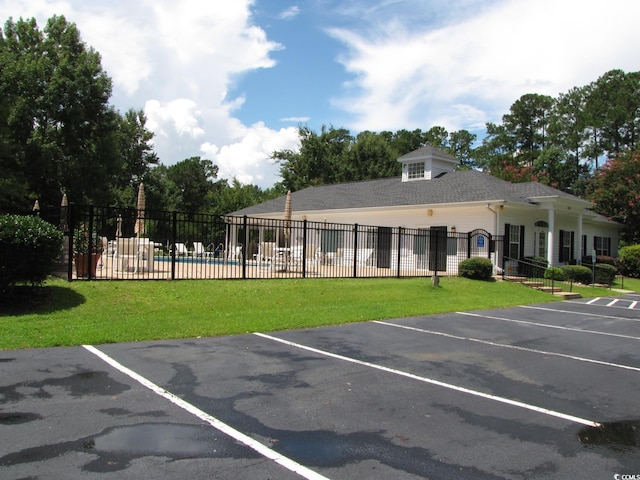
{"x":127,"y":311}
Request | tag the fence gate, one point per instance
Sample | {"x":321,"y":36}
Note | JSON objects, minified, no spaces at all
{"x":481,"y":244}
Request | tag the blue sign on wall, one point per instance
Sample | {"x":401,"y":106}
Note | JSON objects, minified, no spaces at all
{"x":480,"y":241}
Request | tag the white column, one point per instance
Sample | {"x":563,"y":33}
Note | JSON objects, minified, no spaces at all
{"x":550,"y":236}
{"x":578,"y":255}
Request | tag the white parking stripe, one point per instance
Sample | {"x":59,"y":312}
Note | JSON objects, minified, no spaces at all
{"x":633,"y":304}
{"x":513,"y":347}
{"x":431,"y":381}
{"x":593,"y":300}
{"x":573,"y":312}
{"x":286,"y":462}
{"x":612,"y":302}
{"x":545,"y":325}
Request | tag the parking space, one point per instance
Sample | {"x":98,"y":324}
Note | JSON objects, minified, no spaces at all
{"x":542,"y":391}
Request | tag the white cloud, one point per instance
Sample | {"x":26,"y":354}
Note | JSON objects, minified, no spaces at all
{"x":463,"y":73}
{"x":248,"y":158}
{"x":295,"y":119}
{"x":289,"y":13}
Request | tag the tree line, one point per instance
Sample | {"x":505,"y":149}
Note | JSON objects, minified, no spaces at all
{"x":59,"y":134}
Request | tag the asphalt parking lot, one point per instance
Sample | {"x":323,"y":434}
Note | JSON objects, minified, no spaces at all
{"x":541,"y":391}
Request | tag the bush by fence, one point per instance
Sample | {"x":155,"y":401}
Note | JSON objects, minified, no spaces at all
{"x":554,"y":273}
{"x":29,"y":248}
{"x":476,"y":268}
{"x":604,"y":273}
{"x":630,"y":261}
{"x":578,"y":273}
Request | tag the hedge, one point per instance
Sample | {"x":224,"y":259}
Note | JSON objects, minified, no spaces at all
{"x":476,"y":268}
{"x":578,"y":273}
{"x":29,"y":248}
{"x":630,"y":261}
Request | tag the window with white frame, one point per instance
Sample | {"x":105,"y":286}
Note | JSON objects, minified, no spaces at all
{"x":566,"y":245}
{"x":514,"y":241}
{"x":415,"y":170}
{"x":602,"y":246}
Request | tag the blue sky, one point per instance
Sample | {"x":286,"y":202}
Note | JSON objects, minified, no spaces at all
{"x":230,"y":80}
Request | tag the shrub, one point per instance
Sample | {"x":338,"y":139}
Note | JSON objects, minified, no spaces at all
{"x":554,"y":273}
{"x":578,"y":273}
{"x":29,"y":248}
{"x":476,"y":268}
{"x":630,"y":261}
{"x":604,"y":273}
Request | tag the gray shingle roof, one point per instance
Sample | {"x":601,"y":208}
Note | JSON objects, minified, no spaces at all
{"x":455,"y":187}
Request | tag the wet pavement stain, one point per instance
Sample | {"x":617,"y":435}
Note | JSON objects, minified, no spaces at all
{"x":621,"y":435}
{"x":16,"y":418}
{"x":77,"y":385}
{"x":321,"y":448}
{"x":116,"y":447}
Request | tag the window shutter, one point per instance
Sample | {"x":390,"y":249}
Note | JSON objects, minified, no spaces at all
{"x":572,"y":256}
{"x":521,"y":252}
{"x":507,"y":239}
{"x":561,"y":252}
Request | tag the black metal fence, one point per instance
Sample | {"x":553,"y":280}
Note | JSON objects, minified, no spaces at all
{"x":173,"y":245}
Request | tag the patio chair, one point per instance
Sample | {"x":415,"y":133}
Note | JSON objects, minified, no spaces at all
{"x":181,"y":250}
{"x":198,"y":249}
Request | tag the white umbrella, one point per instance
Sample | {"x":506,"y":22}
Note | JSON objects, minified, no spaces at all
{"x":139,"y":226}
{"x":64,"y":211}
{"x":119,"y":226}
{"x":287,"y":228}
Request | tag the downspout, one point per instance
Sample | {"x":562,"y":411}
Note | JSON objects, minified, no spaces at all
{"x":496,"y":216}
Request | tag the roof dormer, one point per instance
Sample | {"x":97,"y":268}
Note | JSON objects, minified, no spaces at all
{"x":426,"y":163}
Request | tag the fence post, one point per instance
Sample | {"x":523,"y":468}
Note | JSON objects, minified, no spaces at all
{"x":355,"y":251}
{"x":398,"y":256}
{"x":90,"y":252}
{"x":174,"y":235}
{"x":71,"y":225}
{"x":304,"y":248}
{"x":243,"y":251}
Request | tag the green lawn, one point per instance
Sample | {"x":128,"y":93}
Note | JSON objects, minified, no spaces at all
{"x":123,"y":311}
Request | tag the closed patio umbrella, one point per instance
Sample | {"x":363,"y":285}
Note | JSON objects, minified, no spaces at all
{"x":64,"y":212}
{"x":287,"y":228}
{"x":139,"y":226}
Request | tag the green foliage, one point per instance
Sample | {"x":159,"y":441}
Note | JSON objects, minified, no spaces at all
{"x":616,"y":193}
{"x":555,"y":273}
{"x":630,"y":261}
{"x":29,"y":247}
{"x":476,"y":268}
{"x":83,"y":244}
{"x":578,"y":273}
{"x":604,"y":273}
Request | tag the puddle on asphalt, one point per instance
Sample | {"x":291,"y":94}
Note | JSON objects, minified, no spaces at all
{"x":168,"y":439}
{"x":115,"y":448}
{"x":616,"y":435}
{"x":17,"y":418}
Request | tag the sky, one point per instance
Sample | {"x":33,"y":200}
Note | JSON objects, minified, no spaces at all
{"x":232,"y":80}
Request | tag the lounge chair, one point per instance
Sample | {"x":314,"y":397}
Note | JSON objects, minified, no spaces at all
{"x":180,"y":250}
{"x":198,"y":249}
{"x":236,"y":253}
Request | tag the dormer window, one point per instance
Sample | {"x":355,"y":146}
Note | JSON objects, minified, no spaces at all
{"x":415,"y":170}
{"x":426,"y":163}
